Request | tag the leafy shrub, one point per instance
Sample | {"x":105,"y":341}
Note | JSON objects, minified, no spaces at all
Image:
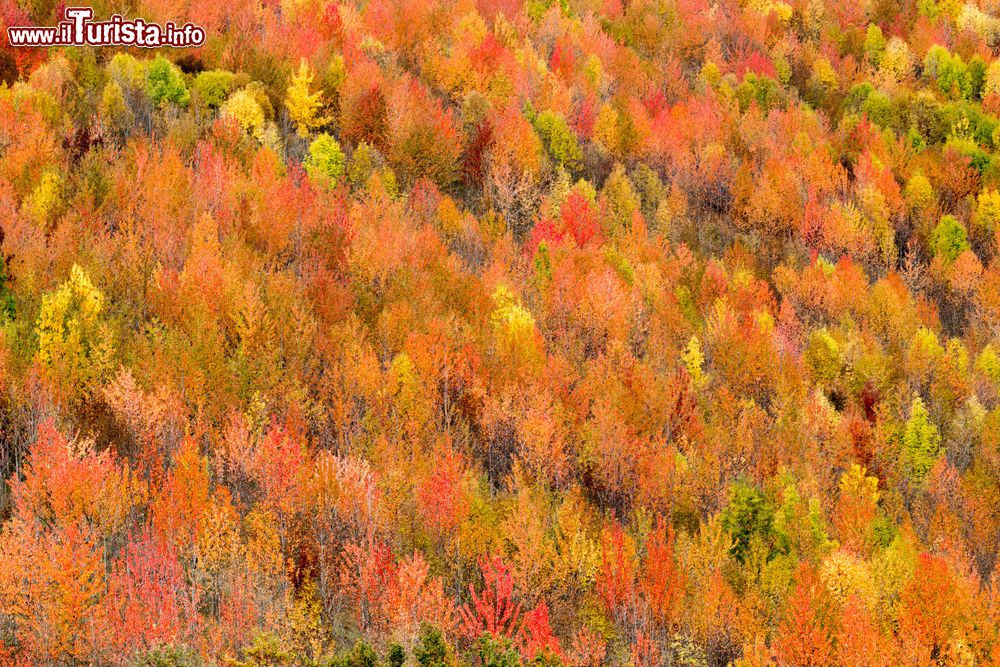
{"x":167,"y":656}
{"x":242,"y":107}
{"x":165,"y":83}
{"x":949,"y":71}
{"x":559,"y":139}
{"x":921,"y":442}
{"x":325,"y":161}
{"x":749,"y":514}
{"x":432,"y":650}
{"x":949,"y":238}
{"x":213,"y":87}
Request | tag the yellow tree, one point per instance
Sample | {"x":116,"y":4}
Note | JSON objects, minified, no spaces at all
{"x":303,"y":106}
{"x":72,"y":342}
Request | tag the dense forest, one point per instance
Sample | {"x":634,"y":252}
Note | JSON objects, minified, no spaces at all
{"x":490,"y":333}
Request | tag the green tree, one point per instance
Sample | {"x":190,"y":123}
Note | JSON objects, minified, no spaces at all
{"x":362,"y":655}
{"x":395,"y":655}
{"x":265,"y":651}
{"x":46,"y":201}
{"x":799,"y":527}
{"x":650,"y":188}
{"x":749,"y":514}
{"x":874,"y":44}
{"x":949,"y":71}
{"x":363,"y":163}
{"x":213,"y":87}
{"x":167,"y":656}
{"x":490,"y":651}
{"x":921,"y":442}
{"x":431,"y":650}
{"x":115,"y":112}
{"x":621,"y":199}
{"x":919,"y":193}
{"x":977,"y":77}
{"x":559,"y":140}
{"x":165,"y":83}
{"x":823,"y":356}
{"x":7,"y":305}
{"x":325,"y":161}
{"x":949,"y":238}
{"x":988,"y":363}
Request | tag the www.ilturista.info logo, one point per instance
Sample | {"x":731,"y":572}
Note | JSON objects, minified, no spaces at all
{"x":78,"y":30}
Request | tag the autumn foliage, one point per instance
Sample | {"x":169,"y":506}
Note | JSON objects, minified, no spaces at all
{"x":503,"y":332}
